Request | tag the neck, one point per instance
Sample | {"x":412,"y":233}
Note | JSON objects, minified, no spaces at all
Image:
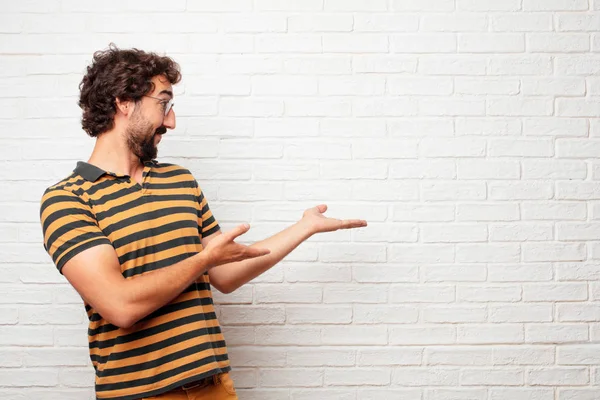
{"x":112,"y":154}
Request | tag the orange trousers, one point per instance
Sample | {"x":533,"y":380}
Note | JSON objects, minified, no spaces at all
{"x":220,"y":387}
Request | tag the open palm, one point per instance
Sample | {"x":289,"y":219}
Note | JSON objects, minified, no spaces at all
{"x":320,"y":223}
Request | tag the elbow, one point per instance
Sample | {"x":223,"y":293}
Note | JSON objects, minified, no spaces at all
{"x":225,"y":287}
{"x":123,"y":322}
{"x":120,"y":317}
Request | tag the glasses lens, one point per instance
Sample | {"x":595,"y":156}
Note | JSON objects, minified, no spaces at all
{"x":168,"y":107}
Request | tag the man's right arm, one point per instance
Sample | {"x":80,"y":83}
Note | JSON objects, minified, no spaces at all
{"x":96,"y":275}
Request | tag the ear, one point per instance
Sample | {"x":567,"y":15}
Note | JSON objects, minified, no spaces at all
{"x":125,"y":106}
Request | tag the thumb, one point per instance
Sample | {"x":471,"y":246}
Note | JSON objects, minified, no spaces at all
{"x":238,"y":231}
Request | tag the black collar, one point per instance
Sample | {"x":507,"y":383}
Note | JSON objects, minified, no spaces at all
{"x":92,"y":173}
{"x":89,"y":172}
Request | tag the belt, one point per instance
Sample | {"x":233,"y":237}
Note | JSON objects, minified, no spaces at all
{"x":211,"y":380}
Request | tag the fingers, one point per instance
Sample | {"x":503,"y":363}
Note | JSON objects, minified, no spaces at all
{"x":237,"y":231}
{"x":254,"y":252}
{"x":322,"y":208}
{"x":353,"y":223}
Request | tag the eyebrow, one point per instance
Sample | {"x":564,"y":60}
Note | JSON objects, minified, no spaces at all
{"x":168,"y":92}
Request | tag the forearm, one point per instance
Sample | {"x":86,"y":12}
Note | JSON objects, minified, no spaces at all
{"x":147,"y":293}
{"x":229,"y":277}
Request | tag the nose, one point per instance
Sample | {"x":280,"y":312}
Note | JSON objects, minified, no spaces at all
{"x":169,"y":120}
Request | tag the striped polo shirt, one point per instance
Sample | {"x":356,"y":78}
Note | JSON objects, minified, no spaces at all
{"x":150,"y":225}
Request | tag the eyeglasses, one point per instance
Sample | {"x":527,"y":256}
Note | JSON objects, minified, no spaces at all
{"x":167,"y":104}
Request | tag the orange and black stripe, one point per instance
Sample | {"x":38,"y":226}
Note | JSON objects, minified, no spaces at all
{"x":150,"y":225}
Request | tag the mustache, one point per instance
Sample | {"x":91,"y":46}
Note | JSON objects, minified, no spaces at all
{"x":161,"y":131}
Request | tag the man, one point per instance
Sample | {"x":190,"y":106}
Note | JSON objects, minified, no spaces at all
{"x":137,"y":240}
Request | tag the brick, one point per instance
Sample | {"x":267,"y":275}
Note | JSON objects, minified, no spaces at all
{"x":488,"y":293}
{"x":319,"y":23}
{"x":426,"y":5}
{"x":295,"y":5}
{"x":490,"y":86}
{"x":578,"y":312}
{"x":520,"y":313}
{"x":383,"y":64}
{"x":458,"y":355}
{"x":520,"y":65}
{"x":531,"y":190}
{"x":487,"y":5}
{"x":491,"y":43}
{"x":423,"y":43}
{"x":355,"y":377}
{"x":571,"y":127}
{"x":390,"y":356}
{"x":454,"y":314}
{"x":423,"y":335}
{"x":487,"y":169}
{"x":577,"y":190}
{"x":344,"y":294}
{"x":577,"y":271}
{"x":555,"y":292}
{"x":342,"y":127}
{"x":523,"y":355}
{"x":554,"y":169}
{"x":456,"y":22}
{"x":238,"y":315}
{"x":419,"y":86}
{"x":578,"y":354}
{"x":521,"y":22}
{"x":521,"y":232}
{"x":553,"y":87}
{"x":492,"y":253}
{"x":352,"y":86}
{"x":490,"y":334}
{"x":453,"y":273}
{"x":425,"y":377}
{"x":578,"y":107}
{"x":559,"y":210}
{"x":289,"y":377}
{"x":521,"y":394}
{"x":525,"y":107}
{"x":293,"y":43}
{"x":487,"y":212}
{"x":452,"y":65}
{"x":380,"y":314}
{"x":321,"y":357}
{"x":558,"y":43}
{"x":555,"y":5}
{"x":533,"y":252}
{"x":355,"y":5}
{"x":573,"y":22}
{"x":556,"y":333}
{"x":281,"y":85}
{"x":491,"y":377}
{"x":520,"y":273}
{"x":558,"y":376}
{"x":354,"y":43}
{"x":355,"y":335}
{"x":453,"y":233}
{"x":285,"y":335}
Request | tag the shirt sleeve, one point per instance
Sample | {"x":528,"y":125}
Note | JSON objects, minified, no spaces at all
{"x":68,"y":225}
{"x":207,"y":224}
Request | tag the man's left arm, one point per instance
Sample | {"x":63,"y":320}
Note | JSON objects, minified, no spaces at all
{"x":229,"y":277}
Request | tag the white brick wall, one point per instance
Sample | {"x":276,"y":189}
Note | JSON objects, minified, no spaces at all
{"x":465,"y":131}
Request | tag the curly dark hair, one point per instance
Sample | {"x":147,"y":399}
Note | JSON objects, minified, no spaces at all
{"x":119,"y":73}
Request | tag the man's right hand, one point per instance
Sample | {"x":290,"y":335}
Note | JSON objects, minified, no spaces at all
{"x":223,"y":249}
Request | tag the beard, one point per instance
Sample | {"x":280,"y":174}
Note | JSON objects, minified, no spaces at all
{"x":140,"y":139}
